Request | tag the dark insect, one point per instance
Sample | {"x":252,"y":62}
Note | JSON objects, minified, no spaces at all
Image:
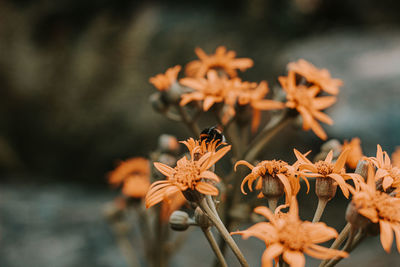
{"x":212,"y":133}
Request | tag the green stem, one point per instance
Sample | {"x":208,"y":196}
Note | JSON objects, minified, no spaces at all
{"x":223,"y":231}
{"x":210,"y":238}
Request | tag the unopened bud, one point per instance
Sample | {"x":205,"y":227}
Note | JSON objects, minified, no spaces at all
{"x":362,"y":169}
{"x":168,"y":143}
{"x":325,"y":188}
{"x":356,"y":219}
{"x":333,"y":145}
{"x":173,"y":95}
{"x":179,"y":220}
{"x":158,"y":103}
{"x":201,"y":219}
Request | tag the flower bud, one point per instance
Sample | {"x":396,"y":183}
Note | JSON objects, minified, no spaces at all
{"x":325,"y":188}
{"x":158,"y":103}
{"x":355,"y":219}
{"x":179,"y":220}
{"x":201,"y":219}
{"x":272,"y":187}
{"x":168,"y":143}
{"x":362,"y":169}
{"x":333,"y":145}
{"x":173,"y":95}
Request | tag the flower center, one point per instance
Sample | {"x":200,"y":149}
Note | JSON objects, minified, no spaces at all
{"x":187,"y":173}
{"x":292,"y":235}
{"x":272,"y":167}
{"x":324,"y":167}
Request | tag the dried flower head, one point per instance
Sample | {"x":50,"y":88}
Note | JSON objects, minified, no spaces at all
{"x":304,"y":100}
{"x":320,"y":77}
{"x":327,"y":169}
{"x":379,"y":208}
{"x":386,"y":173}
{"x":355,"y":153}
{"x":222,"y":60}
{"x":164,"y":81}
{"x":285,"y":234}
{"x":188,"y":176}
{"x":134,"y":173}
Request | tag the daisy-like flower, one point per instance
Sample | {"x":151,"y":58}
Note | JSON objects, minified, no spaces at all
{"x":221,"y":60}
{"x":164,"y":81}
{"x":326,"y":169}
{"x":285,"y":234}
{"x":355,"y":153}
{"x":134,"y":173}
{"x":188,"y":176}
{"x":379,"y":208}
{"x":210,"y":90}
{"x":170,"y":204}
{"x":304,"y":100}
{"x":320,"y":77}
{"x":275,"y":169}
{"x":388,"y":174}
{"x":198,"y":148}
{"x":396,"y":157}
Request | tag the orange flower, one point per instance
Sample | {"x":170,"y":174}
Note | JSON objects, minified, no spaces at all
{"x":327,"y":169}
{"x":380,"y":208}
{"x":277,"y":169}
{"x":188,"y":176}
{"x":134,"y":173}
{"x":320,"y":77}
{"x":285,"y":234}
{"x":170,"y":204}
{"x":304,"y":100}
{"x":355,"y":153}
{"x":389,"y":175}
{"x":396,"y":157}
{"x":164,"y":81}
{"x":210,"y":90}
{"x":222,"y":59}
{"x":199,"y":148}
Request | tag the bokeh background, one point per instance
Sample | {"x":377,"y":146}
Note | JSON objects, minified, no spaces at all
{"x":74,"y":99}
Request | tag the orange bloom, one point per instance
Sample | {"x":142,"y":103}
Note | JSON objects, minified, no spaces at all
{"x":170,"y":204}
{"x":320,"y":77}
{"x":222,"y":59}
{"x":189,"y":175}
{"x":210,"y":90}
{"x":396,"y":157}
{"x":355,"y":153}
{"x":277,"y":169}
{"x":304,"y":100}
{"x":285,"y":234}
{"x":380,"y":208}
{"x":327,"y":169}
{"x":134,"y":173}
{"x":199,"y":148}
{"x":388,"y":174}
{"x":164,"y":81}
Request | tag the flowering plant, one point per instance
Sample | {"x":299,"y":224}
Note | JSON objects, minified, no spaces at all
{"x":192,"y":194}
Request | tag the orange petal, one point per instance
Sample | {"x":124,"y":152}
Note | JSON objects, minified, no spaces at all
{"x":164,"y":169}
{"x":339,"y":164}
{"x":386,"y":235}
{"x":270,"y":253}
{"x":243,"y":162}
{"x":206,"y":188}
{"x":294,"y":258}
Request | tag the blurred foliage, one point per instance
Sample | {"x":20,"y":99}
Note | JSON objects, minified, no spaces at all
{"x":73,"y":74}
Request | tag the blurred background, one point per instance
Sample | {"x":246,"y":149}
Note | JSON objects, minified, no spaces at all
{"x":74,"y":99}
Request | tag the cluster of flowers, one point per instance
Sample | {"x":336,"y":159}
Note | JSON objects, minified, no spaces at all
{"x":212,"y":80}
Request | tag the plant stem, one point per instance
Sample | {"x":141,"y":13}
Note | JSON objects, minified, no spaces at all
{"x":270,"y":130}
{"x":320,"y":209}
{"x":210,"y":238}
{"x":338,"y":241}
{"x":273,"y":203}
{"x":223,"y":231}
{"x":191,"y":124}
{"x":351,"y":243}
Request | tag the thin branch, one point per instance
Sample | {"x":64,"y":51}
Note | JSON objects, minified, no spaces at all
{"x":320,"y":209}
{"x":190,"y":123}
{"x":210,"y":238}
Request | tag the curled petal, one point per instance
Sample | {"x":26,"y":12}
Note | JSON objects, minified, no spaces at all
{"x":243,"y":162}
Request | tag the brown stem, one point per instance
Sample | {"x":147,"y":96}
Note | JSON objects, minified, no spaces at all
{"x":191,"y":124}
{"x":210,"y":238}
{"x":320,"y":209}
{"x":270,"y":130}
{"x":273,"y":203}
{"x":338,"y":241}
{"x":223,"y":231}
